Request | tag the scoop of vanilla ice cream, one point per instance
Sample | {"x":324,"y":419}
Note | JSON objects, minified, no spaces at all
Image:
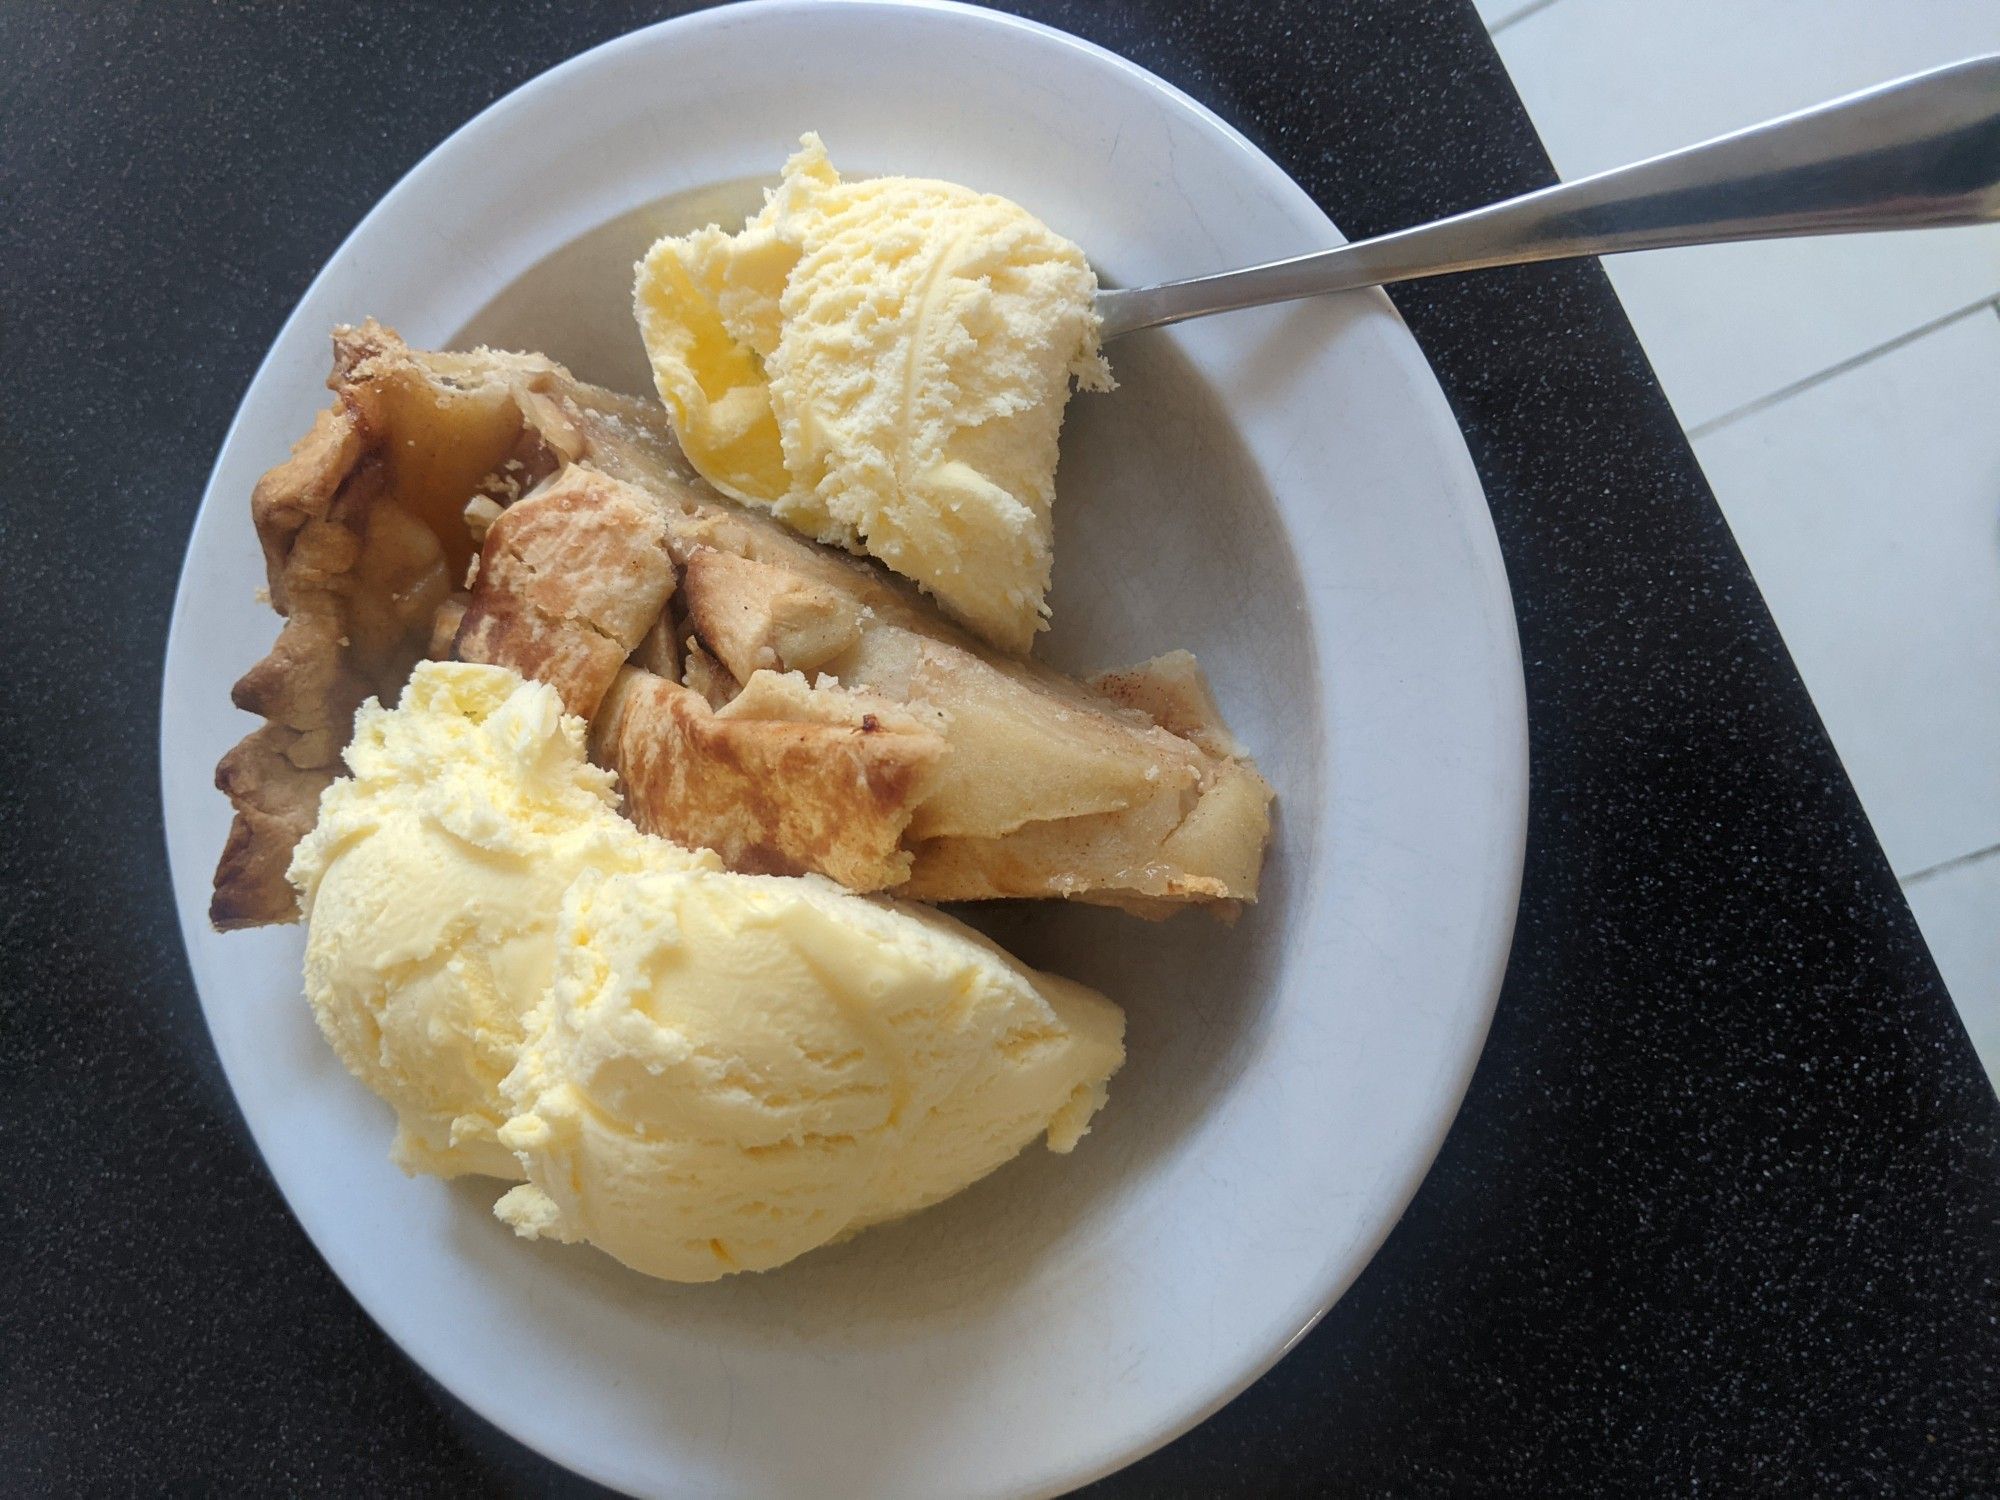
{"x":730,"y":1070}
{"x":699,"y":1071}
{"x":431,"y":885}
{"x":885,"y":364}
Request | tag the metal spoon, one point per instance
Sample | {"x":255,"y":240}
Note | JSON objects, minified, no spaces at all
{"x":1918,"y":153}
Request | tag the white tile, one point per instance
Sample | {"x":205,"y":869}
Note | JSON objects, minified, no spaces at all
{"x":1612,"y":81}
{"x":1869,"y":509}
{"x":1959,"y":911}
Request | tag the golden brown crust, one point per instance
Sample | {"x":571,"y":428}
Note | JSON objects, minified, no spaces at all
{"x":362,"y":536}
{"x":771,"y":796}
{"x":276,"y":801}
{"x":309,"y":512}
{"x":984,"y":776}
{"x":570,"y":580}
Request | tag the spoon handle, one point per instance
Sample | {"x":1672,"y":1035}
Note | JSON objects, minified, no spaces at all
{"x":1920,"y":152}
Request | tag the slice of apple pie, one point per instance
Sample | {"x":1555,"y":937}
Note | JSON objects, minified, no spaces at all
{"x":792,"y":707}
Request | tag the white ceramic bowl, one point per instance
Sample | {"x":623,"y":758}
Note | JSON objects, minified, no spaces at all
{"x":1283,"y":491}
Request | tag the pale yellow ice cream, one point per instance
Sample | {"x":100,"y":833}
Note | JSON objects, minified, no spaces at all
{"x":432,"y":883}
{"x":699,"y":1071}
{"x":733,"y":1069}
{"x":885,"y":364}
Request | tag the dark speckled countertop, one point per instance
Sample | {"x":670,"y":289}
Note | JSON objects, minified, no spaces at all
{"x":1722,"y":1210}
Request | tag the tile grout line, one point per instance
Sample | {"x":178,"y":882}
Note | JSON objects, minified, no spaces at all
{"x":1946,"y":866}
{"x":1852,"y":362}
{"x":1520,"y":15}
